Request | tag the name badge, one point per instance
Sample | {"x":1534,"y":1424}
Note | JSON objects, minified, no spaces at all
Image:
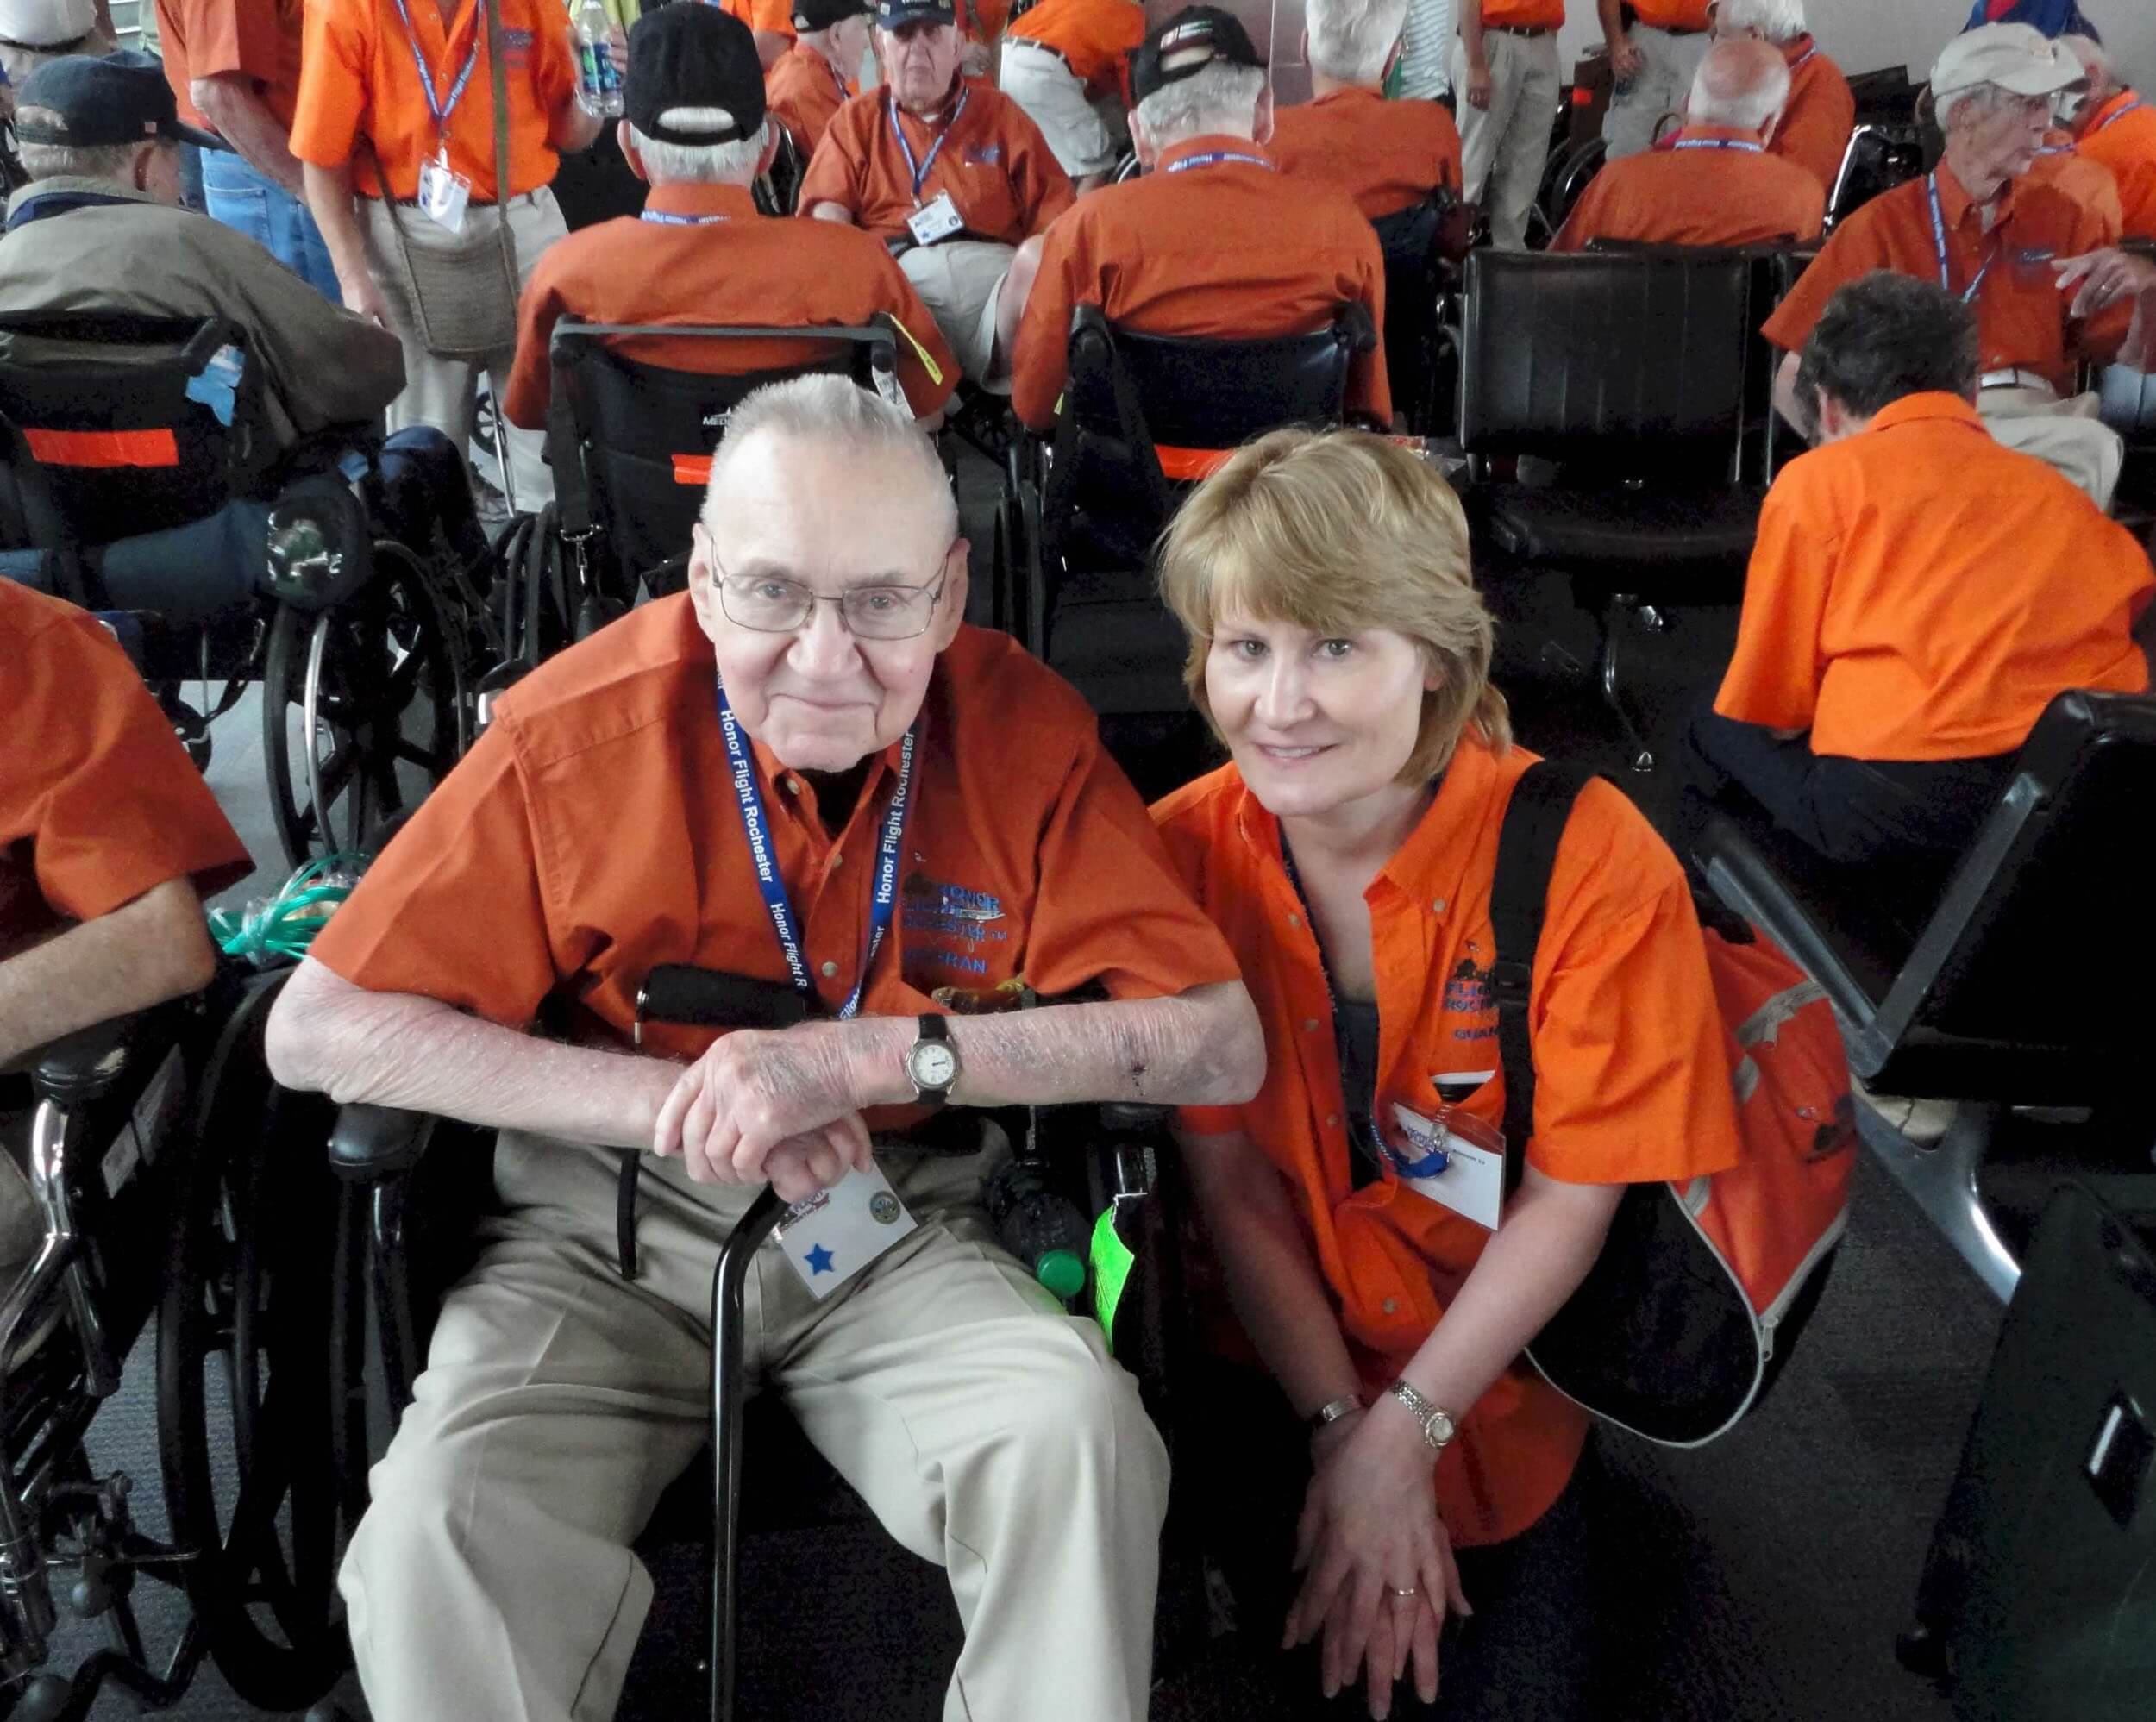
{"x":1459,"y":1164}
{"x":936,"y":219}
{"x":444,"y":194}
{"x":834,"y":1234}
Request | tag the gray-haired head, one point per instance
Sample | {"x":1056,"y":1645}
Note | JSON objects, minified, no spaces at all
{"x":1774,"y":20}
{"x":734,"y":163}
{"x":1351,"y":40}
{"x":1220,"y":98}
{"x":1741,"y":84}
{"x":833,"y":410}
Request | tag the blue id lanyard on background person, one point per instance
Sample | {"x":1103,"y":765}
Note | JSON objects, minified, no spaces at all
{"x":1938,"y":240}
{"x":1737,"y":143}
{"x":1213,"y":156}
{"x":669,"y":218}
{"x":2111,"y":120}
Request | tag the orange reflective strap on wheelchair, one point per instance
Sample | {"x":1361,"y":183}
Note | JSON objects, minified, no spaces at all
{"x":1187,"y":466}
{"x":691,"y":469}
{"x":104,"y":448}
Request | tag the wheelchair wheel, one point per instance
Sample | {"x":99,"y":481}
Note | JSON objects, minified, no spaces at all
{"x":363,"y":709}
{"x":249,"y":1295}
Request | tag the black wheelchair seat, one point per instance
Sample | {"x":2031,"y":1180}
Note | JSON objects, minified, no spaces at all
{"x":1667,"y":534}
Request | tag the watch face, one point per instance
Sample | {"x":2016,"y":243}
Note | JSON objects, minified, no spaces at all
{"x":934,"y":1065}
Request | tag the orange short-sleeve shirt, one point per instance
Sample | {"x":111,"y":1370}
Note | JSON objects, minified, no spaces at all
{"x":2122,"y":135}
{"x":1225,"y":249}
{"x":1524,"y":15}
{"x":98,"y":801}
{"x":1093,"y":36}
{"x":1386,"y":156}
{"x":257,"y":38}
{"x":1000,"y":173}
{"x":2022,"y":315}
{"x":593,"y":834}
{"x":1821,"y":113}
{"x":773,"y":17}
{"x":1632,"y":1070}
{"x":1707,"y":185}
{"x":805,"y":92}
{"x":359,"y":92}
{"x":1919,"y":592}
{"x":2082,"y":177}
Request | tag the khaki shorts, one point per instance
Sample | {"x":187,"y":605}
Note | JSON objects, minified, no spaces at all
{"x":960,"y":282}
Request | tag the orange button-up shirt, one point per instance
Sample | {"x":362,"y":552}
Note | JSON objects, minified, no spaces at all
{"x":206,"y":38}
{"x":593,"y":833}
{"x":1821,"y":113}
{"x":1386,"y":156}
{"x":804,"y":92}
{"x":1632,"y":1068}
{"x":1708,"y":185}
{"x":2086,"y":180}
{"x":2021,"y":315}
{"x":1093,"y":36}
{"x":1219,"y":250}
{"x":1919,"y":592}
{"x":98,"y":801}
{"x":2122,"y":135}
{"x":773,"y":17}
{"x":1000,"y":172}
{"x":1523,"y":14}
{"x":1673,"y":15}
{"x":359,"y":92}
{"x":733,"y":265}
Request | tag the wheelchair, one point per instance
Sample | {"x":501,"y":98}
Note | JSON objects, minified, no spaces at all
{"x":136,"y":479}
{"x":166,"y":1184}
{"x":1426,"y":247}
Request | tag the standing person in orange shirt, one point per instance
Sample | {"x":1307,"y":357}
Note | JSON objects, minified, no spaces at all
{"x":1816,"y":127}
{"x":1419,"y":1468}
{"x":1654,"y":63}
{"x":816,"y":76}
{"x":1387,"y":156}
{"x":1508,"y":74}
{"x":1062,"y":63}
{"x":397,"y":105}
{"x":773,"y":22}
{"x":1714,"y":184}
{"x":1917,"y":596}
{"x":2116,"y":128}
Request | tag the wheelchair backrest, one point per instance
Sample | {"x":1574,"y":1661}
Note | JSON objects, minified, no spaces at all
{"x":1634,"y":363}
{"x":1878,"y":158}
{"x":115,"y":425}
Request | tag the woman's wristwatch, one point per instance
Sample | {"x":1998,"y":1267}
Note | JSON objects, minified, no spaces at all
{"x":1332,"y":1410}
{"x":1437,"y":1422}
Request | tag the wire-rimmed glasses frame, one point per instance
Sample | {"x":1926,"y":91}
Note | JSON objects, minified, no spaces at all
{"x":792,"y":608}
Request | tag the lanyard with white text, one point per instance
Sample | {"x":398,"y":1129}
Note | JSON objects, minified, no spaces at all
{"x":2110,"y":120}
{"x":920,"y":170}
{"x":1809,"y":55}
{"x":669,"y":218}
{"x":1938,"y":240}
{"x":1744,"y":144}
{"x":440,"y":108}
{"x":1218,"y":155}
{"x":763,"y":854}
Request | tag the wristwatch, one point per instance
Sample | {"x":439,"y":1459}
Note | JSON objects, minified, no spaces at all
{"x":1332,"y":1410}
{"x":1437,"y":1422}
{"x":931,"y":1062}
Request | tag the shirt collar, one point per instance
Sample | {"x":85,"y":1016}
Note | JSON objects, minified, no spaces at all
{"x":2122,"y":99}
{"x":1796,"y":48}
{"x":699,"y":197}
{"x":1206,"y":145}
{"x":1341,"y":97}
{"x":1934,"y":405}
{"x":79,"y":186}
{"x":1955,"y":204}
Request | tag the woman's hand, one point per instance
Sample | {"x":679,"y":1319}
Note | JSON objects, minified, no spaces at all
{"x":1379,"y":1574}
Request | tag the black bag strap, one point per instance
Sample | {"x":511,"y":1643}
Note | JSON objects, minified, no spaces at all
{"x":1535,"y":819}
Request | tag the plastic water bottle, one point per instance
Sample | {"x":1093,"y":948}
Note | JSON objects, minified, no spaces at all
{"x":1039,"y":1227}
{"x":598,"y":78}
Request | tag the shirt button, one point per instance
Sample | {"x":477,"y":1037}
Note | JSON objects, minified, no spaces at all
{"x":830,"y":969}
{"x":1310,"y":1025}
{"x":1437,"y":905}
{"x":1294,"y":920}
{"x":792,"y":785}
{"x":838,"y":860}
{"x":1392,"y":1306}
{"x":1332,"y":1121}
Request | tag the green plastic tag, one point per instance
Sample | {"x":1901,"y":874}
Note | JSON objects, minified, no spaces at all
{"x":1111,"y":1265}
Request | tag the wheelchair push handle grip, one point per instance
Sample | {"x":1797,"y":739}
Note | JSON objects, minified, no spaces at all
{"x":714,"y":998}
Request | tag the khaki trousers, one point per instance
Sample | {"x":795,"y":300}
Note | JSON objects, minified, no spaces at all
{"x":1080,"y":133}
{"x":2063,"y":433}
{"x":1661,"y":86}
{"x":1504,"y":147}
{"x":988,"y":1430}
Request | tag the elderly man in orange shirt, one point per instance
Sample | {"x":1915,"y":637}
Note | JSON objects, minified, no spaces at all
{"x":1715,"y":183}
{"x":1387,"y":156}
{"x":816,"y":76}
{"x":1821,"y":111}
{"x":1653,"y":62}
{"x":2116,"y":128}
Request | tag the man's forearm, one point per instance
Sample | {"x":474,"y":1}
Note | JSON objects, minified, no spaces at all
{"x":329,"y":198}
{"x":573,"y":129}
{"x":825,"y":210}
{"x":140,"y":954}
{"x":228,"y":101}
{"x":1612,"y":14}
{"x":1471,"y":33}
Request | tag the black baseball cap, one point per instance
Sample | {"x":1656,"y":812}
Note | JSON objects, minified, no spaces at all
{"x":1193,"y":39}
{"x":692,"y":57}
{"x":120,"y":98}
{"x":892,"y":14}
{"x":821,"y":15}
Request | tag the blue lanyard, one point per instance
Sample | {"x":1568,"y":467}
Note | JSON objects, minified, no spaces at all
{"x":920,"y":170}
{"x":761,"y":851}
{"x":435,"y":106}
{"x":1211,"y":157}
{"x":2131,"y":107}
{"x":668,"y":218}
{"x":1938,"y":240}
{"x":1809,"y":55}
{"x":1747,"y":147}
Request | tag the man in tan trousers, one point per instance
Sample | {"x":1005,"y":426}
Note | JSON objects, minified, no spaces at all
{"x":805,"y":770}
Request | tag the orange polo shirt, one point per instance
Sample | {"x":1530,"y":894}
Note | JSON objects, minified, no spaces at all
{"x":98,"y":801}
{"x":1673,"y":15}
{"x":773,"y":17}
{"x":1386,"y":156}
{"x":1707,"y":185}
{"x":2082,"y":177}
{"x":805,"y":92}
{"x":734,"y":266}
{"x":1919,"y":592}
{"x":1822,"y":112}
{"x":1523,"y":14}
{"x":995,"y":164}
{"x":1631,"y":1067}
{"x":2022,"y":317}
{"x":204,"y":38}
{"x":1093,"y":36}
{"x":1027,"y":853}
{"x":2122,"y":135}
{"x":1220,"y":249}
{"x":359,"y":92}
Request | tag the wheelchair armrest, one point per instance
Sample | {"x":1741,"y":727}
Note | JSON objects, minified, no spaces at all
{"x":80,"y":1067}
{"x":373,"y":1145}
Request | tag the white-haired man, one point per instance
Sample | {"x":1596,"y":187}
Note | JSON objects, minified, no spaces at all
{"x":814,"y":704}
{"x":700,"y":253}
{"x":1821,"y":111}
{"x":1653,"y":62}
{"x":2113,"y":126}
{"x":1506,"y":74}
{"x":1715,"y":183}
{"x":1385,"y":156}
{"x":820,"y":72}
{"x":1212,"y":241}
{"x":1975,"y":226}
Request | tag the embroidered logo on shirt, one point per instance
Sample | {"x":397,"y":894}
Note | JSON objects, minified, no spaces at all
{"x":517,"y":46}
{"x":982,"y":154}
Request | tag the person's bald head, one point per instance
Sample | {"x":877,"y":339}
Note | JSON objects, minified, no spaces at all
{"x":1741,"y":84}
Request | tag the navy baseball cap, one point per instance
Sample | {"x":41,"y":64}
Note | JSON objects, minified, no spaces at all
{"x":692,"y":57}
{"x":121,"y":98}
{"x":892,"y":14}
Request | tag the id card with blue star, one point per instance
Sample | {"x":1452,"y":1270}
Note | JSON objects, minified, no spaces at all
{"x":832,"y":1236}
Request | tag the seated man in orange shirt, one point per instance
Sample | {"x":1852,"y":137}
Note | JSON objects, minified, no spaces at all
{"x":1386,"y":156}
{"x":820,"y":74}
{"x":1917,"y":596}
{"x":1821,"y":111}
{"x":1210,"y":242}
{"x":700,"y":253}
{"x":2116,"y":128}
{"x":1715,"y":183}
{"x":1062,"y":63}
{"x":948,"y":172}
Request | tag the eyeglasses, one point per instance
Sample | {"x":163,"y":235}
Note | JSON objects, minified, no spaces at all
{"x":769,"y":604}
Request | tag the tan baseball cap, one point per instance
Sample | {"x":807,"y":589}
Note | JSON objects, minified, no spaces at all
{"x":46,"y":23}
{"x":2016,"y":57}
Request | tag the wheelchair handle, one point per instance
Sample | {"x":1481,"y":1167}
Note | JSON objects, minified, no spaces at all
{"x":80,"y":1067}
{"x":716,"y":999}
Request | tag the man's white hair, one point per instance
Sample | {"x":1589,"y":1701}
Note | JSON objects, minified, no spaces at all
{"x":833,"y":408}
{"x":699,"y":164}
{"x":1779,"y":21}
{"x":1220,"y":97}
{"x":71,"y":161}
{"x":1350,"y":39}
{"x":1739,"y":84}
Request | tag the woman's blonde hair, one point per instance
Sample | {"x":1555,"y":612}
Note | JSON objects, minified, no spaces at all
{"x":1340,"y":532}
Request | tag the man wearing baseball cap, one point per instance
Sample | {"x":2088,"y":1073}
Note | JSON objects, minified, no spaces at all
{"x":820,"y":72}
{"x":1215,"y":241}
{"x":946,"y":171}
{"x":696,"y":129}
{"x":1998,"y":242}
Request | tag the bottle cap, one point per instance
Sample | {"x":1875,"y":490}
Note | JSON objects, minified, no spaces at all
{"x":1063,"y":1271}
